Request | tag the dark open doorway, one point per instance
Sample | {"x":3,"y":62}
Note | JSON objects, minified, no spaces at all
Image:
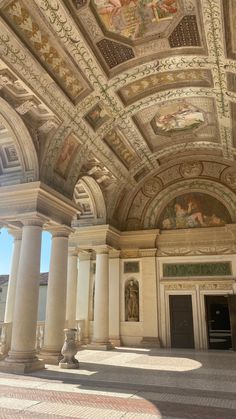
{"x":218,"y":322}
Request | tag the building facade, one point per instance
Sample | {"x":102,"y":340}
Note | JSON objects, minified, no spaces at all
{"x":117,"y":135}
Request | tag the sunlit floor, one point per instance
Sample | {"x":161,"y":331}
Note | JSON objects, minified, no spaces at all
{"x":127,"y":383}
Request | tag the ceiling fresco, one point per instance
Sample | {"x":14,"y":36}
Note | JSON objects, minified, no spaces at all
{"x":138,"y":96}
{"x":176,"y":117}
{"x":193,"y":210}
{"x":136,"y":19}
{"x":189,"y":119}
{"x":122,"y":30}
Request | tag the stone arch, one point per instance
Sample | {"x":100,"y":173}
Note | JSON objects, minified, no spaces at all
{"x":19,"y":138}
{"x":91,"y":204}
{"x":214,"y":189}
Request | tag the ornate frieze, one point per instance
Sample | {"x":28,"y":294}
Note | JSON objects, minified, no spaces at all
{"x":162,"y":81}
{"x":194,"y":249}
{"x":47,"y":51}
{"x":179,"y":287}
{"x":218,"y":287}
{"x":119,"y":146}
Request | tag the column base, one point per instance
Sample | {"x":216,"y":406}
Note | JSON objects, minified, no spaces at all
{"x":100,"y":346}
{"x":51,"y":356}
{"x":115,"y":342}
{"x":150,"y":342}
{"x":10,"y":365}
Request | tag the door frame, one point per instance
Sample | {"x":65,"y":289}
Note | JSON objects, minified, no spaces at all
{"x":203,"y":313}
{"x":194,"y":308}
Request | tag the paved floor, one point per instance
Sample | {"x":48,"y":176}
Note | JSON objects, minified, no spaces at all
{"x":127,"y":383}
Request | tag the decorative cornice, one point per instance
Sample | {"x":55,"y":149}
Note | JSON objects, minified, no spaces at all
{"x":144,"y":253}
{"x":20,"y":201}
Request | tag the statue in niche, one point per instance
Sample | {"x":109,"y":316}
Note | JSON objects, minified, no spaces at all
{"x":132,"y":301}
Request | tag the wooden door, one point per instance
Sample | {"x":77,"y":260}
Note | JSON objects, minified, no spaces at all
{"x":181,"y":321}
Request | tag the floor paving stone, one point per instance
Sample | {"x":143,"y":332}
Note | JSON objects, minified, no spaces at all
{"x":127,"y":383}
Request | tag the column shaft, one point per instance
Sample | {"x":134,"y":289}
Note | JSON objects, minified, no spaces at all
{"x":82,"y":311}
{"x":11,"y":290}
{"x":22,"y":355}
{"x":150,"y":315}
{"x":56,"y":299}
{"x":114,"y":298}
{"x":72,"y":274}
{"x":101,"y":301}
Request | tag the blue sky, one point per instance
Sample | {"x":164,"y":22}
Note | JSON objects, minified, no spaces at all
{"x":6,"y":245}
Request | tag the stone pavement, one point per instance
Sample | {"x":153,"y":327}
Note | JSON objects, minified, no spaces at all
{"x":127,"y":383}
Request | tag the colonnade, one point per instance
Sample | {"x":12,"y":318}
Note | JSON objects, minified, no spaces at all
{"x":23,"y":293}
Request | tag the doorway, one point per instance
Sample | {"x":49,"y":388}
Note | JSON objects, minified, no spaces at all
{"x":181,"y":321}
{"x":218,"y":322}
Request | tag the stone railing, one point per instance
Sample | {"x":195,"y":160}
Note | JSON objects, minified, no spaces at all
{"x":5,"y":335}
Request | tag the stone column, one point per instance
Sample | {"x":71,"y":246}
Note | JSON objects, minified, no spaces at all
{"x":149,"y":288}
{"x":101,"y":301}
{"x":11,"y":290}
{"x":56,"y":296}
{"x":83,"y":289}
{"x":72,"y":273}
{"x":114,"y":297}
{"x":22,"y":355}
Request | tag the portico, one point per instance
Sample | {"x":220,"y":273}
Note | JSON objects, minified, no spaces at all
{"x":46,"y":210}
{"x":118,"y":135}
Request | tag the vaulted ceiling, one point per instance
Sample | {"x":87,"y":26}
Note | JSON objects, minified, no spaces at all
{"x":137,"y":97}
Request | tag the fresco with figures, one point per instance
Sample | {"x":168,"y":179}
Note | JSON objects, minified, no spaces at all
{"x":194,"y":210}
{"x":67,"y":154}
{"x":176,"y":116}
{"x":97,"y":116}
{"x":135,"y":19}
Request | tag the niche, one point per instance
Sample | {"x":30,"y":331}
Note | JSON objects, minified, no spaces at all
{"x":132,"y":300}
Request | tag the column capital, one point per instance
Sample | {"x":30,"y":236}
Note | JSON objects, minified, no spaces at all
{"x":102,"y":250}
{"x":60,"y":231}
{"x":15,"y":233}
{"x":114,"y":254}
{"x":73,"y":251}
{"x":32,"y":220}
{"x":84,"y":255}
